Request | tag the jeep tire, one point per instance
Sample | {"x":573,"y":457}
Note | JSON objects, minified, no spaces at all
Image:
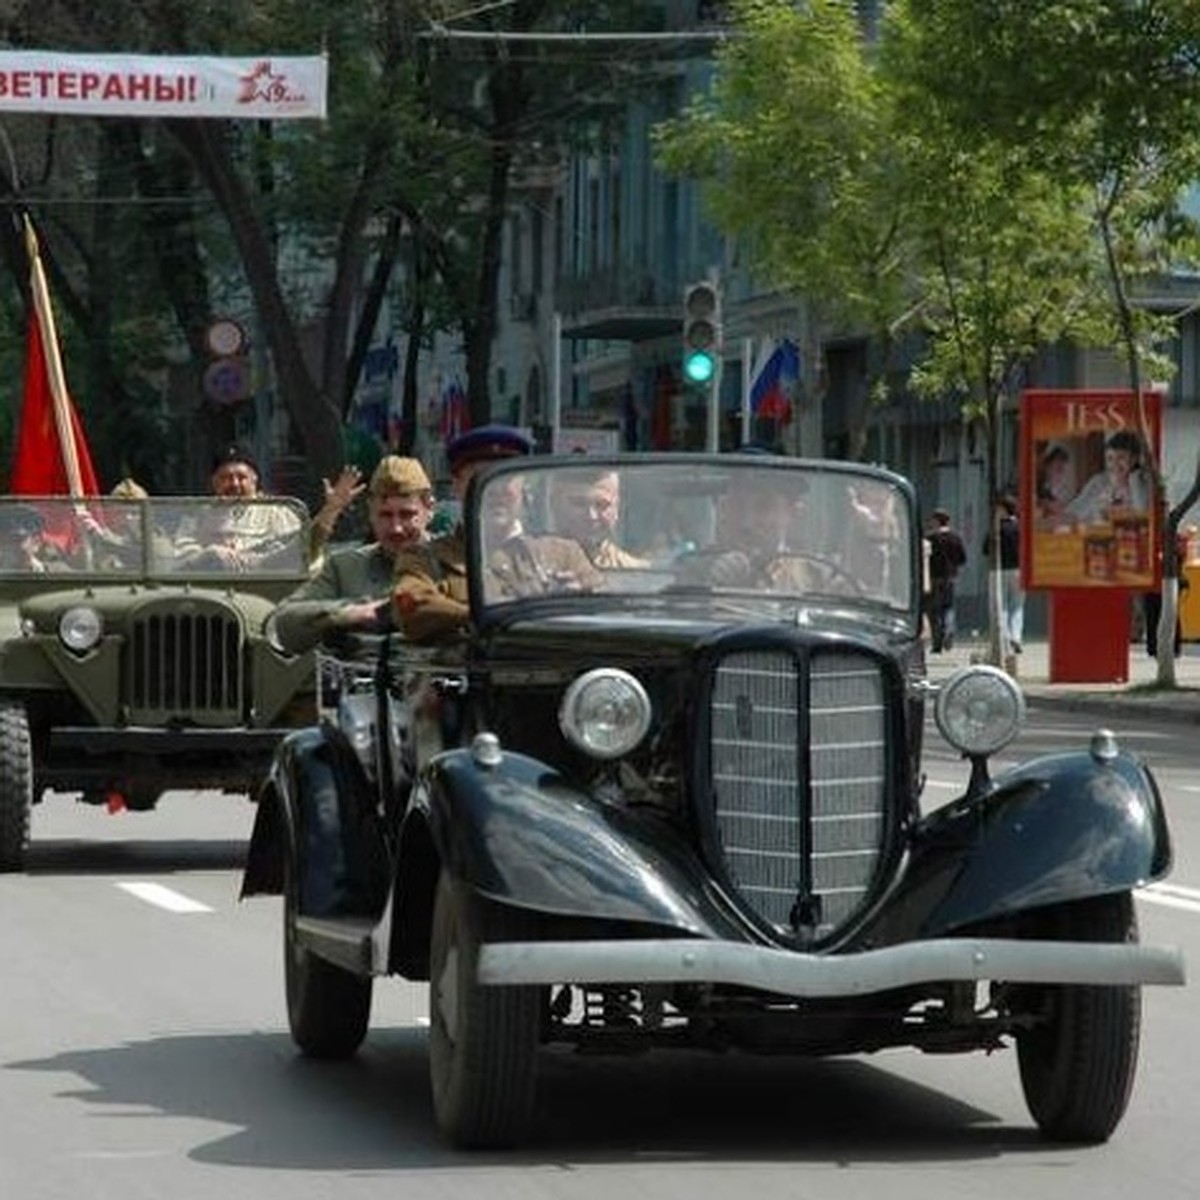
{"x":16,"y":784}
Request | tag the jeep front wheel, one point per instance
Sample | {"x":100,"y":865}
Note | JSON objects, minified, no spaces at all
{"x":482,"y":1040}
{"x":16,"y":784}
{"x":1078,"y":1061}
{"x":329,"y":1008}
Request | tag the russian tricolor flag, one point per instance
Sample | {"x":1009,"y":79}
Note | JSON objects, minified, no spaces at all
{"x":774,"y":380}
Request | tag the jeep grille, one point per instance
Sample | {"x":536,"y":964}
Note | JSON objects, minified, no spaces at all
{"x":185,"y":665}
{"x":799,"y":803}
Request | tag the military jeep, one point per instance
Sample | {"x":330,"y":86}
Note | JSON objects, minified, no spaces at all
{"x":133,"y":657}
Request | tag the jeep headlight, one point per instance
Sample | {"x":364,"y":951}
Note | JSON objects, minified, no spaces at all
{"x":79,"y":628}
{"x":605,"y":713}
{"x":979,"y":710}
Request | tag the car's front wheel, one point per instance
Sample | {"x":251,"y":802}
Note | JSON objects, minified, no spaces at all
{"x":329,"y":1009}
{"x":482,"y":1040}
{"x":1079,"y":1060}
{"x":16,"y":784}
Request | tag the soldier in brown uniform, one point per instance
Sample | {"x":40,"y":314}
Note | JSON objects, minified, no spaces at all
{"x":587,"y":507}
{"x":430,"y":593}
{"x":430,"y":590}
{"x":524,"y":564}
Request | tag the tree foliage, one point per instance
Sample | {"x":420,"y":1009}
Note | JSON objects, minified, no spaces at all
{"x":977,"y":168}
{"x":1104,"y":97}
{"x":403,"y":192}
{"x":796,"y":148}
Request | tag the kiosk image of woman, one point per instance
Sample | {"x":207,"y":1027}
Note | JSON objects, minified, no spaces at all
{"x":1121,"y":486}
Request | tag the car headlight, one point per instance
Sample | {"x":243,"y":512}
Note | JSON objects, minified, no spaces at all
{"x":605,"y":713}
{"x":979,"y":710}
{"x":79,"y":628}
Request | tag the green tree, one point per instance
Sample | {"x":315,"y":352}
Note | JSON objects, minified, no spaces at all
{"x":822,"y":151}
{"x":795,"y":145}
{"x":404,"y":190}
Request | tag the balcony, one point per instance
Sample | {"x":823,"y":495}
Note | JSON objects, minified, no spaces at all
{"x":626,"y":305}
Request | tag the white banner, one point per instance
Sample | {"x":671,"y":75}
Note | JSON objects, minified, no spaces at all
{"x":139,"y":85}
{"x":587,"y":441}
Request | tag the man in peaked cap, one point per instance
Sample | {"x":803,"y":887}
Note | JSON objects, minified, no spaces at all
{"x":351,"y":593}
{"x":230,"y":538}
{"x":430,"y":590}
{"x":234,"y":536}
{"x":235,"y":473}
{"x":236,"y":476}
{"x":487,"y":443}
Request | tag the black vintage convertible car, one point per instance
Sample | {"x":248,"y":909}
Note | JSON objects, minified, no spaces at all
{"x":670,"y":794}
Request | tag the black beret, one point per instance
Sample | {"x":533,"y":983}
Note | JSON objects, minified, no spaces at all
{"x":234,"y":454}
{"x":485,"y":443}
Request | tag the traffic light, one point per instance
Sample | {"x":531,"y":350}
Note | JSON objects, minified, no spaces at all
{"x":701,"y":332}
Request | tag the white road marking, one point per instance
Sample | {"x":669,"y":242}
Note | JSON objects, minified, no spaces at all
{"x":164,"y":897}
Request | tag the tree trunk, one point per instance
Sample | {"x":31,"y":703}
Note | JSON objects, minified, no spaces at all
{"x":314,"y":413}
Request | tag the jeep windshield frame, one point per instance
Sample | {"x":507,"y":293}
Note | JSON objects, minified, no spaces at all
{"x":54,"y":540}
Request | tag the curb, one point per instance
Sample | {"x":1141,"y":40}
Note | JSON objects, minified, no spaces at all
{"x":1161,"y":707}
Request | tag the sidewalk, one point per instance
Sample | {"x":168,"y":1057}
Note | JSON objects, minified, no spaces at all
{"x":1137,"y":696}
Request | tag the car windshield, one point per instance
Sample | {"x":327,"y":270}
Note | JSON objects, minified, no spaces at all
{"x":156,"y":538}
{"x":755,"y":533}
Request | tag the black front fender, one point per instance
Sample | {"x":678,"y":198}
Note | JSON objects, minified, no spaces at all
{"x":1059,"y":828}
{"x":518,"y":832}
{"x":317,"y":808}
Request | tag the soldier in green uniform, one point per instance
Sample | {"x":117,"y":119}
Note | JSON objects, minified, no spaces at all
{"x":351,"y":592}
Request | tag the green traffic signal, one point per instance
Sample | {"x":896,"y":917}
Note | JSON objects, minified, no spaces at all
{"x":701,"y":332}
{"x":698,"y":366}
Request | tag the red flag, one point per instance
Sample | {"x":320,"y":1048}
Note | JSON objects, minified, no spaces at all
{"x":52,"y":456}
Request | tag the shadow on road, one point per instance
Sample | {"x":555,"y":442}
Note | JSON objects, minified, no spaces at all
{"x":79,"y":856}
{"x":374,"y":1112}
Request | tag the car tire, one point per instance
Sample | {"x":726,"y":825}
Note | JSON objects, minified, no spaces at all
{"x":329,"y":1008}
{"x":1078,"y":1062}
{"x":482,"y":1040}
{"x":16,"y":785}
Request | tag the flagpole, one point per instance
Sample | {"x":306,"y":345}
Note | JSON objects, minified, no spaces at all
{"x":747,"y":376}
{"x":54,"y":369}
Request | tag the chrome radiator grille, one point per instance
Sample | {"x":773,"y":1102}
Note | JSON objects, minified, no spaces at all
{"x":800,"y":821}
{"x":184,"y":665}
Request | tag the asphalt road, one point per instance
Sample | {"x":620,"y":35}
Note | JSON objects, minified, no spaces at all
{"x":143,"y":1052}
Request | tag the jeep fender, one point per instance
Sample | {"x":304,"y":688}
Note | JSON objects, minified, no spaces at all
{"x":316,"y":808}
{"x":519,"y":833}
{"x":1059,"y":828}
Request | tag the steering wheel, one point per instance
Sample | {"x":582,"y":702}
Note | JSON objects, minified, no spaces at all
{"x":834,"y":572}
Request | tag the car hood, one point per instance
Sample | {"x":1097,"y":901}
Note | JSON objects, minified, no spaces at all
{"x":651,"y":633}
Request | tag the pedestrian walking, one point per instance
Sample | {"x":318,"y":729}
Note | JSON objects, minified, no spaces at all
{"x":1012,"y":598}
{"x":947,"y":555}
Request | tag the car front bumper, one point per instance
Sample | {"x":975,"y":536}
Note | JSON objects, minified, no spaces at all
{"x":789,"y":973}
